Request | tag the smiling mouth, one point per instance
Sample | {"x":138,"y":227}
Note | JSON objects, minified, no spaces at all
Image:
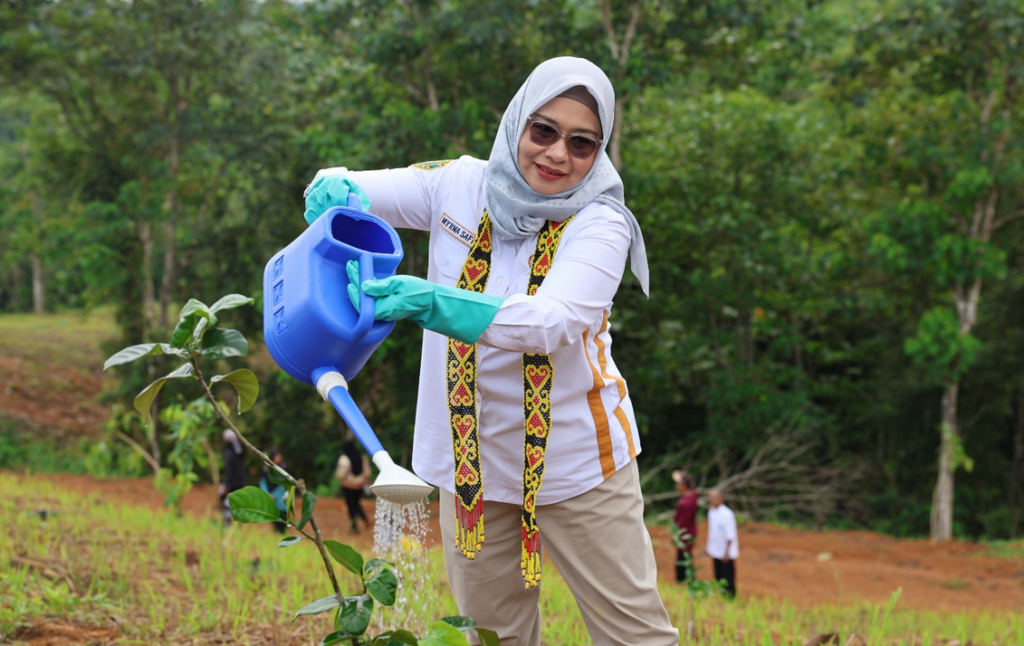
{"x":549,"y":173}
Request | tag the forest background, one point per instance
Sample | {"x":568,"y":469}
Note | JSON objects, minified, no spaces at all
{"x":832,"y":194}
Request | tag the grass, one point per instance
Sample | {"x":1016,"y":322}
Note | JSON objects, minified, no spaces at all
{"x":175,"y":580}
{"x":72,"y":337}
{"x":1006,"y":549}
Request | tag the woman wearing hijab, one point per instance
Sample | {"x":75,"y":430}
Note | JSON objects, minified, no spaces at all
{"x":353,"y":472}
{"x":523,"y":419}
{"x":233,"y":476}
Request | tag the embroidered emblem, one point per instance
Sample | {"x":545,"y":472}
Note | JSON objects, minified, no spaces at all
{"x":461,"y":233}
{"x":432,"y":165}
{"x":538,"y":378}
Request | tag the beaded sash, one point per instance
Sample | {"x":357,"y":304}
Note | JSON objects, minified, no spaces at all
{"x":538,"y":377}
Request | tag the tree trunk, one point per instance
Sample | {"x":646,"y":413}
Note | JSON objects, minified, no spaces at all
{"x":1017,"y":488}
{"x":38,"y":291}
{"x":145,"y":234}
{"x":16,"y":287}
{"x":619,"y":49}
{"x":942,"y":501}
{"x":170,"y":261}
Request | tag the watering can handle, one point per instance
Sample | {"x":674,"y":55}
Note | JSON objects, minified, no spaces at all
{"x":354,"y":203}
{"x":366,"y":302}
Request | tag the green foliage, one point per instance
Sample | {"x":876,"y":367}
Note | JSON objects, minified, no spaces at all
{"x":807,"y":176}
{"x":196,"y":337}
{"x":940,"y":347}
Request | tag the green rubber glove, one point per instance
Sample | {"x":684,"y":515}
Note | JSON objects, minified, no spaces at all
{"x":456,"y":313}
{"x":331,"y":190}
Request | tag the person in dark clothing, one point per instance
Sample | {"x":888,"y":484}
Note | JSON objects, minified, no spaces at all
{"x":233,"y":476}
{"x":276,"y":491}
{"x":354,"y":474}
{"x":686,"y":520}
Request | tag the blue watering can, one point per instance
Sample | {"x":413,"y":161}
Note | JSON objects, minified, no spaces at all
{"x":317,"y":336}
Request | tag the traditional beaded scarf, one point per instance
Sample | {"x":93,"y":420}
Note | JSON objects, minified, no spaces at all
{"x":538,"y":376}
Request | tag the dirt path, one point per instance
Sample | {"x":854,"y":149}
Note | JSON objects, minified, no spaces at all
{"x":805,"y":567}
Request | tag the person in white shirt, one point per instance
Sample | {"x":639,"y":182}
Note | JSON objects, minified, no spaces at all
{"x":517,"y":385}
{"x":723,"y":544}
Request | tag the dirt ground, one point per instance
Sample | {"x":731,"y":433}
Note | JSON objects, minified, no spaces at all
{"x":54,"y":393}
{"x":802,"y":566}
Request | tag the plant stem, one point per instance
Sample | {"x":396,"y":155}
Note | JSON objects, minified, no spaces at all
{"x":298,"y":483}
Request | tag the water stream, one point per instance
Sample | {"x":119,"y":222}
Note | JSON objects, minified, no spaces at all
{"x":399,"y":536}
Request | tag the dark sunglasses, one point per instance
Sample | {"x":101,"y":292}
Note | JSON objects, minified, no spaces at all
{"x":579,"y":146}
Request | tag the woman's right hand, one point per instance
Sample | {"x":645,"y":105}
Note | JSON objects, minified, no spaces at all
{"x":329,"y":191}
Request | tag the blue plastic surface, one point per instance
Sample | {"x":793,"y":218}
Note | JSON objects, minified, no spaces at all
{"x":308,"y":321}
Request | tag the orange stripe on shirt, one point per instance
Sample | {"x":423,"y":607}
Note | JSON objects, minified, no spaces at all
{"x":604,"y":433}
{"x":619,"y":381}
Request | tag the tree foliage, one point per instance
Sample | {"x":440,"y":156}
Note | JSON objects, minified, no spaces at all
{"x":831,"y":194}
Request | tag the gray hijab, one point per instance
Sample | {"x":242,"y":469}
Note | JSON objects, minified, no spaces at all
{"x":517,"y":211}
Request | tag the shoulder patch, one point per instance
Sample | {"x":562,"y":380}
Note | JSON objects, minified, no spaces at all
{"x":432,"y":165}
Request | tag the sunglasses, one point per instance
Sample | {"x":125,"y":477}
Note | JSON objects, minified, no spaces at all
{"x":579,"y":146}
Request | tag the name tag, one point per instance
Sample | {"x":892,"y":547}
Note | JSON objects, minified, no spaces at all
{"x":463,"y":234}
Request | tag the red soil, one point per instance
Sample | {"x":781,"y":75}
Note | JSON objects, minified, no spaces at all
{"x":802,"y":566}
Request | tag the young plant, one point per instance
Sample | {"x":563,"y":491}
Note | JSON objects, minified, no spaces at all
{"x":196,"y":337}
{"x":695,"y":588}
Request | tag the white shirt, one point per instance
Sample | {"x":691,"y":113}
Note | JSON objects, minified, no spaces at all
{"x":593,"y":432}
{"x":722,"y":529}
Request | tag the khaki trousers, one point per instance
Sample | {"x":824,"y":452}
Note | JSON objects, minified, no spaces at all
{"x":601,"y":548}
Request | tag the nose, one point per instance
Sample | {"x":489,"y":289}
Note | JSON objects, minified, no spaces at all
{"x":558,"y":152}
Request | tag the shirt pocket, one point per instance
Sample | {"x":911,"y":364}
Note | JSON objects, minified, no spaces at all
{"x":448,"y":255}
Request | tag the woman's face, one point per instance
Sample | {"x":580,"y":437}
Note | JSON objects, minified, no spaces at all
{"x":551,"y":169}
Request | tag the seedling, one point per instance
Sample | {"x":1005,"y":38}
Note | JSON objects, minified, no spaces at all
{"x":197,"y":337}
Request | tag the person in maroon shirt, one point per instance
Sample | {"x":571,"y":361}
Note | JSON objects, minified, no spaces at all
{"x":686,"y":521}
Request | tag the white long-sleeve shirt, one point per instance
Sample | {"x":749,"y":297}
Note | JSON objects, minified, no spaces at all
{"x":721,"y":533}
{"x":593,"y":430}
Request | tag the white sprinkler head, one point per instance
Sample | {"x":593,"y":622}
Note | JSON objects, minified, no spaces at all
{"x":396,"y":484}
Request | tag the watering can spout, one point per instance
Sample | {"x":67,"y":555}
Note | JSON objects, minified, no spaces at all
{"x":396,"y":484}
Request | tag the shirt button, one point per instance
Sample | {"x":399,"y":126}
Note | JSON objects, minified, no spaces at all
{"x":501,"y":280}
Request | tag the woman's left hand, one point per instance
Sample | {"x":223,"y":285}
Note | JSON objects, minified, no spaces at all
{"x":329,"y":191}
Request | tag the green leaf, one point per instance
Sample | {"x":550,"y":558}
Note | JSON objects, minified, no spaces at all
{"x":220,"y":343}
{"x":190,"y":314}
{"x":230,"y":301}
{"x":348,"y":557}
{"x":319,"y":606}
{"x":288,"y":542}
{"x":253,"y":505}
{"x":245,"y":383}
{"x":488,"y":637}
{"x":354,"y":615}
{"x":382,"y":584}
{"x":308,"y":503}
{"x":144,"y":400}
{"x":134,"y":352}
{"x":396,"y":637}
{"x":443,"y":634}
{"x":277,"y":478}
{"x":337,"y":638}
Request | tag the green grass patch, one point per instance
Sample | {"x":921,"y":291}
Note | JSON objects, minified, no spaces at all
{"x":1008,"y":549}
{"x":171,"y":579}
{"x":71,"y":338}
{"x":22,"y":450}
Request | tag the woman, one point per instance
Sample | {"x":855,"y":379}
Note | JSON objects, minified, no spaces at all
{"x":353,"y":472}
{"x":523,"y":419}
{"x":276,"y":491}
{"x":233,"y":476}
